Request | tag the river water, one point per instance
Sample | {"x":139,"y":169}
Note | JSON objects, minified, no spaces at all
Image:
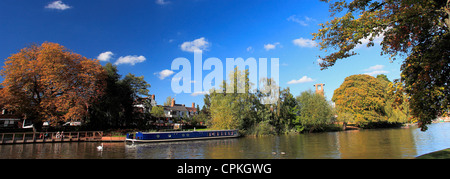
{"x":367,"y":144}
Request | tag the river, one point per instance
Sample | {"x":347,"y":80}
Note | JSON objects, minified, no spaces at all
{"x":399,"y":143}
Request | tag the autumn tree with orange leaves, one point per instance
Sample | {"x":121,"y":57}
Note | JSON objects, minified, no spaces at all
{"x":51,"y":83}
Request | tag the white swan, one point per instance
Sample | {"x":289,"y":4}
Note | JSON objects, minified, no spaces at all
{"x":100,"y":148}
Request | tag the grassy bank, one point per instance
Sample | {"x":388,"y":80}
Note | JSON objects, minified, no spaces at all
{"x":441,"y":154}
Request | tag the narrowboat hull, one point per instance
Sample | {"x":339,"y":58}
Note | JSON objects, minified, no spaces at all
{"x":148,"y":137}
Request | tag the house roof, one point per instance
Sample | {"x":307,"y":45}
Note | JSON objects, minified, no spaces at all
{"x":191,"y":109}
{"x":176,"y":107}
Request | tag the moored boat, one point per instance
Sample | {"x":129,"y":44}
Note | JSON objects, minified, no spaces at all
{"x":180,"y":136}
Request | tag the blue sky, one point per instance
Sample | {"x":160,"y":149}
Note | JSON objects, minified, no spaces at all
{"x":143,"y":37}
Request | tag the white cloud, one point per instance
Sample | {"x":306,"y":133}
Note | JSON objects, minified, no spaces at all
{"x":375,"y":70}
{"x":130,"y":59}
{"x":301,"y":42}
{"x":304,"y":79}
{"x":105,"y":56}
{"x":271,"y":46}
{"x":304,"y":22}
{"x":250,"y":49}
{"x":59,"y":5}
{"x":164,"y":74}
{"x":375,"y":67}
{"x":199,"y":93}
{"x":198,"y":44}
{"x":162,"y":2}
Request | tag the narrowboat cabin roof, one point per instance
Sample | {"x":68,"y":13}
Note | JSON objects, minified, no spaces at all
{"x":180,"y":135}
{"x":187,"y":131}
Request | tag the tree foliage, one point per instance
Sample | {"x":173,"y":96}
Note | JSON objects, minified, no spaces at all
{"x":364,"y":97}
{"x":248,"y":111}
{"x":158,"y":111}
{"x":286,"y":111}
{"x":49,"y":82}
{"x":168,"y":101}
{"x":366,"y":100}
{"x":416,"y":29}
{"x":315,"y":112}
{"x":425,"y":75}
{"x":115,"y":107}
{"x":232,"y":110}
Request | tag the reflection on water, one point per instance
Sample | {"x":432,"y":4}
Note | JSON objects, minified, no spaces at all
{"x":73,"y":150}
{"x":380,"y":143}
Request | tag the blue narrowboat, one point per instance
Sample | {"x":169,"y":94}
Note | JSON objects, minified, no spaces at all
{"x":180,"y":136}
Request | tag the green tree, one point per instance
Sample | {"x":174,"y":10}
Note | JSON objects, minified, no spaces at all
{"x":264,"y":120}
{"x":370,"y":101}
{"x":395,"y":113}
{"x":364,"y":97}
{"x":383,"y":77}
{"x":115,"y":106}
{"x":345,"y":118}
{"x":137,"y":85}
{"x":232,"y":110}
{"x":168,"y":101}
{"x":398,"y":106}
{"x":222,"y":112}
{"x":157,"y":111}
{"x":286,"y":111}
{"x":418,"y":30}
{"x":201,"y":117}
{"x":315,"y":112}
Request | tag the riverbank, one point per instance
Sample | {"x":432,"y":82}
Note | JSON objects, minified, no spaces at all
{"x":441,"y":154}
{"x":269,"y":130}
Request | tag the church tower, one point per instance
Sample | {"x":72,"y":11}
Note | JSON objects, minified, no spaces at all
{"x":319,"y":88}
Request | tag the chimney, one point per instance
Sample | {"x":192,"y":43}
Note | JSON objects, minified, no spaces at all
{"x":193,"y":105}
{"x":173,"y":102}
{"x":153,"y":97}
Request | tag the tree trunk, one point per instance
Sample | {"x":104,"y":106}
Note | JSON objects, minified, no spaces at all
{"x":447,"y":10}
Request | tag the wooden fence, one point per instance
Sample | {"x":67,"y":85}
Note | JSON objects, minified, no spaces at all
{"x":44,"y":137}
